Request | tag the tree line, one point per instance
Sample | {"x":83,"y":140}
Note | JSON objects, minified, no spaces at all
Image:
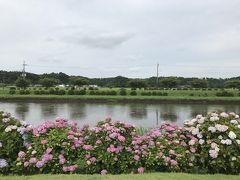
{"x":8,"y":78}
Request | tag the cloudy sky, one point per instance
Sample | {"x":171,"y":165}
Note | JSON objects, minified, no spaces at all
{"x":103,"y":38}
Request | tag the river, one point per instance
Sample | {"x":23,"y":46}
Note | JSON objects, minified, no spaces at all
{"x":142,"y":115}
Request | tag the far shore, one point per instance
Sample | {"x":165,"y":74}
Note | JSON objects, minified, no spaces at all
{"x":121,"y":99}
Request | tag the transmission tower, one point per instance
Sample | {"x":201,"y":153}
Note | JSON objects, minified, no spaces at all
{"x":23,"y":70}
{"x":157,"y":75}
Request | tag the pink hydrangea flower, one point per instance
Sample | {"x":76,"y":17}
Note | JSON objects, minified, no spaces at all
{"x":173,"y":162}
{"x":104,"y":172}
{"x":87,"y":147}
{"x":44,"y":141}
{"x":141,"y":170}
{"x":136,"y":157}
{"x":40,"y":164}
{"x":121,"y":138}
{"x":21,"y":154}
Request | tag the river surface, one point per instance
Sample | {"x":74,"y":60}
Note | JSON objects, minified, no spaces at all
{"x":142,"y":115}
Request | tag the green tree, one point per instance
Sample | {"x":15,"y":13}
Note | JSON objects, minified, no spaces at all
{"x":48,"y":82}
{"x":169,"y":82}
{"x":199,"y":83}
{"x":232,"y":84}
{"x":137,"y":83}
{"x":22,"y":83}
{"x":77,"y":81}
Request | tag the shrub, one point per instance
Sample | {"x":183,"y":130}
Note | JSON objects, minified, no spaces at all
{"x":133,"y":93}
{"x":50,"y":145}
{"x":71,"y":92}
{"x":22,"y":92}
{"x":123,"y":92}
{"x":146,"y":93}
{"x":61,"y":92}
{"x":225,"y":94}
{"x":218,"y":137}
{"x":166,"y":148}
{"x":12,"y":92}
{"x":81,"y":92}
{"x":37,"y":92}
{"x":13,"y":135}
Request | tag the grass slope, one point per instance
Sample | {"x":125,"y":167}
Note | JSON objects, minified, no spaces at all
{"x":149,"y":176}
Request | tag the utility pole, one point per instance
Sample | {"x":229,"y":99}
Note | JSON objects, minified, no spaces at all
{"x":157,"y":75}
{"x":23,"y":70}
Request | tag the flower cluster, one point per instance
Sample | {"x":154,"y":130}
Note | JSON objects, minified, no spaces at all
{"x":13,"y":136}
{"x":218,"y":136}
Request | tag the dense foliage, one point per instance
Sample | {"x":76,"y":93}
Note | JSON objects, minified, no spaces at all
{"x":9,"y":78}
{"x":205,"y":144}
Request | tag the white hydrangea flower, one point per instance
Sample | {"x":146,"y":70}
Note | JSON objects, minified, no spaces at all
{"x":199,"y":135}
{"x":195,"y":131}
{"x":8,"y":129}
{"x":214,"y":118}
{"x":234,"y":158}
{"x":228,"y":142}
{"x":237,"y":116}
{"x":212,"y":129}
{"x":201,"y":141}
{"x":221,"y":128}
{"x":224,"y":115}
{"x":238,"y":141}
{"x":234,"y":121}
{"x":34,"y":152}
{"x":201,"y":120}
{"x":238,"y":126}
{"x":213,"y":153}
{"x":232,"y":135}
{"x":214,"y":145}
{"x":220,"y":137}
{"x":5,"y":120}
{"x":223,"y":141}
{"x":0,"y":144}
{"x":214,"y":114}
{"x":199,"y":116}
{"x":14,"y":127}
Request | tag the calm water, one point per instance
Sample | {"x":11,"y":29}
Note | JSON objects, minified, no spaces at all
{"x":145,"y":115}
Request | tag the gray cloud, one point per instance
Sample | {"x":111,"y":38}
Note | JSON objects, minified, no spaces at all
{"x":128,"y":37}
{"x":100,"y":40}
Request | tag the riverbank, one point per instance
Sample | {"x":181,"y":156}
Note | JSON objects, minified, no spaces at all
{"x":122,"y":99}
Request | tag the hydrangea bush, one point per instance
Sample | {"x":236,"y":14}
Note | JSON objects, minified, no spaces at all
{"x":50,"y":149}
{"x":166,"y":148}
{"x":13,"y":136}
{"x":218,"y":135}
{"x":208,"y":144}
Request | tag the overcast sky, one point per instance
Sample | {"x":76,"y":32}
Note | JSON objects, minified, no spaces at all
{"x":106,"y":38}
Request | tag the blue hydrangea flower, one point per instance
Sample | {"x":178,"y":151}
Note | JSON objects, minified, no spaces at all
{"x":3,"y":163}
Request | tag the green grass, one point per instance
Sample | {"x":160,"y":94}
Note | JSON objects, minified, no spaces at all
{"x":150,"y":176}
{"x":173,"y":95}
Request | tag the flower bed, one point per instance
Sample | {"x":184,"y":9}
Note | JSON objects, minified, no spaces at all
{"x":205,"y":144}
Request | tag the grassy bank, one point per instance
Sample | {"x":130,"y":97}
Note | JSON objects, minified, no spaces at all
{"x":172,"y":96}
{"x":140,"y":99}
{"x":150,"y":176}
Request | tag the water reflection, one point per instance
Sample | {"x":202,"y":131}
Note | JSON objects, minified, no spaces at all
{"x":77,"y":111}
{"x":168,"y":116}
{"x":138,"y":112}
{"x":48,"y":110}
{"x":145,"y":115}
{"x":22,"y":110}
